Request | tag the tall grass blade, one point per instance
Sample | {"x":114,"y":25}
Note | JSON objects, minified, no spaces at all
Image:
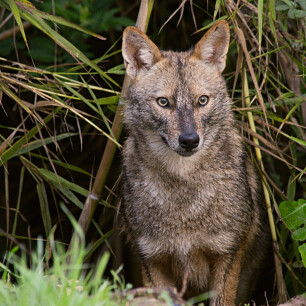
{"x":282,"y":295}
{"x":16,"y":13}
{"x":36,"y":144}
{"x":16,"y":98}
{"x":58,"y":20}
{"x":21,"y":182}
{"x":44,"y":207}
{"x":9,"y":153}
{"x":59,"y":181}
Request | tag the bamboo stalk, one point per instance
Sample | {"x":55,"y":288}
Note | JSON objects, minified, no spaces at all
{"x":95,"y":195}
{"x":281,"y":288}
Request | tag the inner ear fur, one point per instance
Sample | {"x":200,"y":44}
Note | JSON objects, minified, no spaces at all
{"x":213,"y":46}
{"x":138,"y":51}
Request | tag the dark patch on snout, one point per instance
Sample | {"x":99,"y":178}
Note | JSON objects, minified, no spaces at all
{"x":189,"y":138}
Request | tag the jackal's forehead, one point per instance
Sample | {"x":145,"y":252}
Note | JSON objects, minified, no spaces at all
{"x":182,"y":77}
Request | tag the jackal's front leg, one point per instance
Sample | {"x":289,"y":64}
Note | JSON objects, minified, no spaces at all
{"x":225,"y":278}
{"x":157,"y":273}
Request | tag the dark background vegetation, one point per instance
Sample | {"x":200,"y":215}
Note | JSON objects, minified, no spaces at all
{"x":31,"y":198}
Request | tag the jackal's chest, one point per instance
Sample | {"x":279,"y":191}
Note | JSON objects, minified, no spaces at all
{"x":181,"y":244}
{"x":178,"y":216}
{"x":180,"y":222}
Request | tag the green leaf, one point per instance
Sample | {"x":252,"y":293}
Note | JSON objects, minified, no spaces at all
{"x":302,"y":250}
{"x":299,"y":141}
{"x":299,"y":14}
{"x":281,"y":6}
{"x":291,"y":13}
{"x":297,"y":105}
{"x":288,"y":3}
{"x":117,"y":69}
{"x":293,"y":213}
{"x":108,"y":100}
{"x":209,"y":25}
{"x":71,"y":196}
{"x":302,"y":4}
{"x":299,"y":234}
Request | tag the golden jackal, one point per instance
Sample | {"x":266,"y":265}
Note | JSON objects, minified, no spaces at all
{"x":192,"y":200}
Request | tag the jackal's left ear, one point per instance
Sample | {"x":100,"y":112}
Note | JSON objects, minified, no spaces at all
{"x":213,"y":46}
{"x":138,"y":51}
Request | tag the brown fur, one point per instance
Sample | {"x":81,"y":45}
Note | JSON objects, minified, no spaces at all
{"x":199,"y":209}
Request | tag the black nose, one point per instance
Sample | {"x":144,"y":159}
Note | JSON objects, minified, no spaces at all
{"x":189,"y":141}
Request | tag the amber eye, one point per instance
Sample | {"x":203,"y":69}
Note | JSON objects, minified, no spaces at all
{"x":163,"y":102}
{"x":203,"y":100}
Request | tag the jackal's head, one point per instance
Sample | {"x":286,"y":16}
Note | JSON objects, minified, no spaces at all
{"x":178,"y":100}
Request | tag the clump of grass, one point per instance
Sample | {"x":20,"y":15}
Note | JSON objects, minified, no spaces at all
{"x":74,"y":283}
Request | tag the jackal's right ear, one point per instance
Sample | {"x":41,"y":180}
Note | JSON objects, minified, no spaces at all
{"x":138,"y":51}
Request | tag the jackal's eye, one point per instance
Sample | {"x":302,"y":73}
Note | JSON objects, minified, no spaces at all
{"x":203,"y":100}
{"x":163,"y":102}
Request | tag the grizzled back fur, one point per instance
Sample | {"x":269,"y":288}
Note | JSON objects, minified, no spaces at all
{"x":192,"y":200}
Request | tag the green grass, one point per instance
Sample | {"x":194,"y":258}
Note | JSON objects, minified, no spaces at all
{"x":74,"y":283}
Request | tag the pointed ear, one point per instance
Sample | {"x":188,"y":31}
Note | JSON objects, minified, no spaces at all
{"x":138,"y":51}
{"x":213,"y":47}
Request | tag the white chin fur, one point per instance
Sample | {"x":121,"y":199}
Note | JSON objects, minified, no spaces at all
{"x":172,"y":161}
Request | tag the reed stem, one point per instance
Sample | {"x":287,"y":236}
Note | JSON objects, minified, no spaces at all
{"x":282,"y":295}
